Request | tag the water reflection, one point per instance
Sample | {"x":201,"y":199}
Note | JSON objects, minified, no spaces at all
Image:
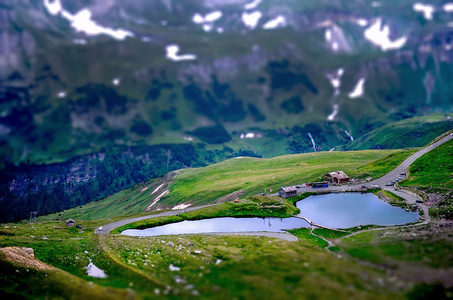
{"x":94,"y":271}
{"x":342,"y":210}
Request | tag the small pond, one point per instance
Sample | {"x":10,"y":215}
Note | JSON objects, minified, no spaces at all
{"x":94,"y":271}
{"x":341,"y":210}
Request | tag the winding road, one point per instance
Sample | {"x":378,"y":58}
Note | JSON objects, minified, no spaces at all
{"x":392,"y":175}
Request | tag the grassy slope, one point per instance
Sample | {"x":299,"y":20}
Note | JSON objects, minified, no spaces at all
{"x":252,"y":175}
{"x":227,"y":267}
{"x":247,"y":263}
{"x":413,"y":132}
{"x":433,"y":173}
{"x":409,"y":251}
{"x":434,"y":169}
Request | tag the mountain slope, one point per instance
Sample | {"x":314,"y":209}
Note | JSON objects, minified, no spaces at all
{"x":70,"y":90}
{"x":412,"y":132}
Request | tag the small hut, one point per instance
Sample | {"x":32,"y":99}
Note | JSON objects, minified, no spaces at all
{"x":337,"y":177}
{"x":70,"y":222}
{"x":286,"y":192}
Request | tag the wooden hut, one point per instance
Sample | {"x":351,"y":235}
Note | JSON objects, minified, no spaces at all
{"x":286,"y":192}
{"x":337,"y":177}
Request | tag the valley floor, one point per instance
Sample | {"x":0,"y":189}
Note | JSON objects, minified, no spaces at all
{"x":367,"y":262}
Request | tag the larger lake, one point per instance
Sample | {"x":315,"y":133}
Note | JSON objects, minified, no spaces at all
{"x":342,"y":210}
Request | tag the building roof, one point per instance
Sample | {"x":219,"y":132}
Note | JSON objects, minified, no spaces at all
{"x":289,"y":190}
{"x":70,"y":221}
{"x":339,"y":175}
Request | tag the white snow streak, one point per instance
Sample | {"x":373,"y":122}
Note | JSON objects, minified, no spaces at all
{"x":277,"y":22}
{"x":252,"y":5}
{"x":312,"y":141}
{"x":208,"y":18}
{"x":156,"y":189}
{"x":157,"y":199}
{"x":350,"y":136}
{"x":331,"y":117}
{"x":358,"y":89}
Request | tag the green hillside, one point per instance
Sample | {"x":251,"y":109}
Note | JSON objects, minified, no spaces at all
{"x":432,"y":176}
{"x":412,"y":132}
{"x":252,"y":176}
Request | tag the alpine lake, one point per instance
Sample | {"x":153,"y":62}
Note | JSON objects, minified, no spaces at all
{"x":335,"y":210}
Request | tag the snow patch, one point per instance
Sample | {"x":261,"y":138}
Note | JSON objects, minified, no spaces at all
{"x":250,"y":135}
{"x":82,"y":22}
{"x":188,"y":138}
{"x":116,"y":81}
{"x":362,"y":22}
{"x":213,"y":16}
{"x":251,"y":19}
{"x":181,"y":206}
{"x":54,"y":7}
{"x":253,"y":4}
{"x":208,"y":18}
{"x":331,"y":117}
{"x":426,"y":9}
{"x":335,"y":79}
{"x":172,"y":54}
{"x":332,"y":149}
{"x":358,"y":90}
{"x":277,"y":22}
{"x":448,"y":7}
{"x":207,"y":27}
{"x":381,"y":36}
{"x":197,"y":19}
{"x":61,"y":94}
{"x":144,"y":189}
